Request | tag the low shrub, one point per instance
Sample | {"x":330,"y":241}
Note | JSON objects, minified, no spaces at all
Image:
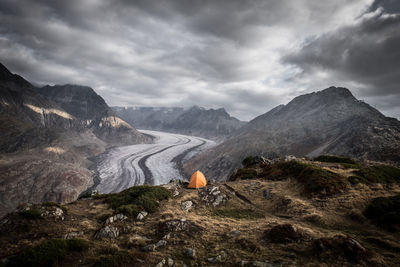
{"x":249,"y":161}
{"x":315,"y":180}
{"x":244,"y":174}
{"x":238,"y":213}
{"x":334,"y":159}
{"x":130,"y":210}
{"x":385,"y":211}
{"x":284,"y":233}
{"x":48,"y":253}
{"x":31,"y":214}
{"x":138,"y":198}
{"x":76,"y":244}
{"x":378,"y":174}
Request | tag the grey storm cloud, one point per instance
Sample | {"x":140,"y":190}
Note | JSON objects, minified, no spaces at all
{"x":246,"y":56}
{"x":365,"y":53}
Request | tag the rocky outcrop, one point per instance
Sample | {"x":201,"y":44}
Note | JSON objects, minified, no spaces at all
{"x":331,"y":121}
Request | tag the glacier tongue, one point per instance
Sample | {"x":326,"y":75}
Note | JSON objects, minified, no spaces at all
{"x":156,"y":163}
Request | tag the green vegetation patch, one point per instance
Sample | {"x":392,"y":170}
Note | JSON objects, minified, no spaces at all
{"x":238,"y":213}
{"x":385,"y":211}
{"x":376,"y":174}
{"x":54,"y":204}
{"x":315,"y":179}
{"x":249,"y":161}
{"x":48,"y":253}
{"x":31,"y":214}
{"x":244,"y":174}
{"x":351,"y":166}
{"x":334,"y":159}
{"x":138,"y":198}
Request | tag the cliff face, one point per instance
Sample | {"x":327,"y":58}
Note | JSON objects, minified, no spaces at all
{"x":85,"y":104}
{"x":27,"y":119}
{"x":331,"y":121}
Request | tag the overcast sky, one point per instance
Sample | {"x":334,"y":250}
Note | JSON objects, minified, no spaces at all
{"x":247,"y":56}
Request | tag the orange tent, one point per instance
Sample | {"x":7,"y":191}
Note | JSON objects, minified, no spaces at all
{"x":197,"y":180}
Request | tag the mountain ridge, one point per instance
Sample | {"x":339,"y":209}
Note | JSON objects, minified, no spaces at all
{"x":214,"y":124}
{"x":45,"y":152}
{"x":331,"y":121}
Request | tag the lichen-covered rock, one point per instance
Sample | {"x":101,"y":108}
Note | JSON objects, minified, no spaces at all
{"x":107,"y":232}
{"x":115,"y":218}
{"x":187,"y":205}
{"x":191,"y":253}
{"x":153,"y":247}
{"x":141,"y":215}
{"x":213,"y":196}
{"x":73,"y":235}
{"x":179,"y":226}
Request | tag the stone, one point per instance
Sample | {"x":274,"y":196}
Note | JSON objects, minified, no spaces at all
{"x":149,"y":248}
{"x":161,"y":263}
{"x":243,"y":263}
{"x":218,"y":200}
{"x":176,"y":226}
{"x":170,"y":262}
{"x":214,"y":188}
{"x":213,"y":196}
{"x":141,"y":215}
{"x":175,"y":193}
{"x":267,"y":194}
{"x":153,"y":247}
{"x":115,"y":218}
{"x":161,"y":243}
{"x":187,"y":205}
{"x":107,"y":232}
{"x":167,"y":236}
{"x":72,"y":235}
{"x":191,"y":253}
{"x":220,"y":258}
{"x":216,"y":193}
{"x":235,"y":233}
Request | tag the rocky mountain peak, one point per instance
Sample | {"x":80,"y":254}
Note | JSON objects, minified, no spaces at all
{"x":81,"y":101}
{"x":8,"y":77}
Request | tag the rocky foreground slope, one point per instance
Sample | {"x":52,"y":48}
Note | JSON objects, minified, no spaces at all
{"x":214,"y":124}
{"x":268,"y":215}
{"x":331,"y":121}
{"x":46,"y":144}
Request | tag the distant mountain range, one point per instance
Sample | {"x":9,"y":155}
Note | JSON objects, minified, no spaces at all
{"x":47,"y":136}
{"x":215,"y":124}
{"x":331,"y":121}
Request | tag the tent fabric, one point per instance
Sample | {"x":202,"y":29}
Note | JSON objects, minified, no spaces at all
{"x":197,"y":180}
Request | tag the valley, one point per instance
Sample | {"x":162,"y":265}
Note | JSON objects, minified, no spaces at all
{"x":157,"y":163}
